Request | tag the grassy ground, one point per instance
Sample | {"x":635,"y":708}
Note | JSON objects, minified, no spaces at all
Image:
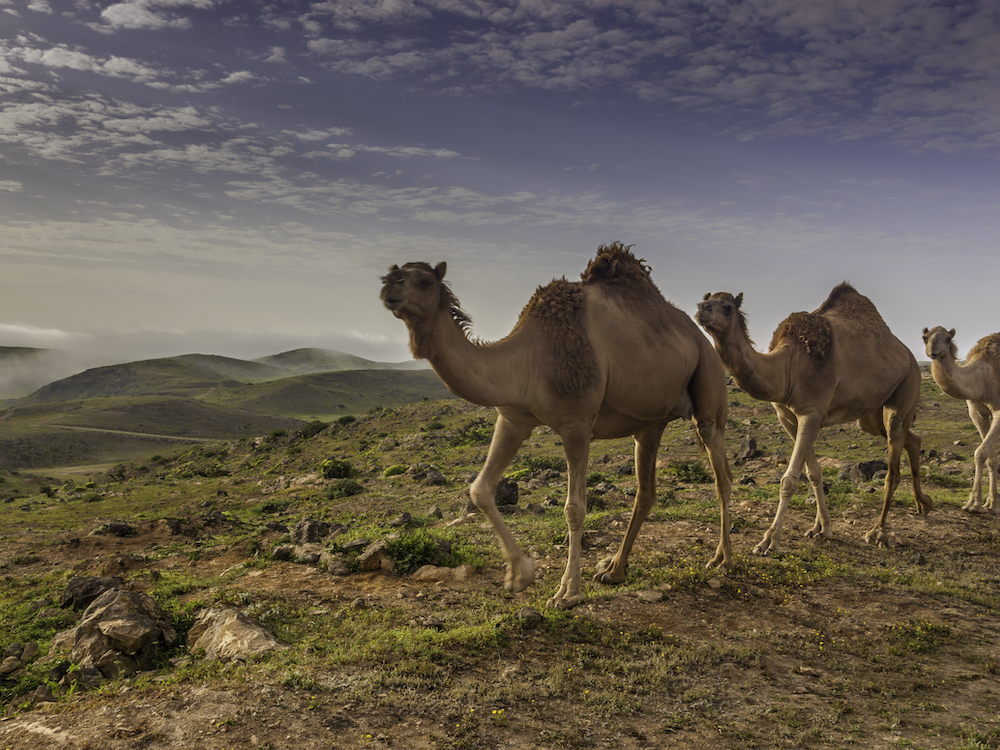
{"x":831,"y":644}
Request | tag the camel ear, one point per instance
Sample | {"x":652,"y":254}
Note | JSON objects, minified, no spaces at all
{"x":739,"y":299}
{"x":951,"y":333}
{"x":926,"y":331}
{"x":440,"y":269}
{"x":707,"y":295}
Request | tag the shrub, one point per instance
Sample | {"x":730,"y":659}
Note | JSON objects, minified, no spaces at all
{"x":692,"y":471}
{"x":476,"y":431}
{"x":343,"y":488}
{"x":334,"y":468}
{"x":413,"y":550}
{"x":393,"y":470}
{"x":346,"y":419}
{"x":312,"y":429}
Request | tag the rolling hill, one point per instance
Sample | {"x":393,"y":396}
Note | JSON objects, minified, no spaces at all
{"x":124,"y":410}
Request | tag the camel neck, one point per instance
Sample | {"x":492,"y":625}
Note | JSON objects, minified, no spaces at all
{"x":475,"y":372}
{"x":762,"y":376}
{"x":954,"y":379}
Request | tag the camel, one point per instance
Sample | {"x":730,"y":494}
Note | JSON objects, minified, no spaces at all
{"x":978,"y":382}
{"x":838,"y":364}
{"x":604,"y":357}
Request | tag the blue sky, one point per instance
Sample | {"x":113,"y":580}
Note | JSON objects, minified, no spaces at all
{"x":234,"y":177}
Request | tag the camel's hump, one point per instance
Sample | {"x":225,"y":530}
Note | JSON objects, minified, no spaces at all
{"x":809,"y":330}
{"x":988,"y":349}
{"x":615,"y":263}
{"x":847,"y":302}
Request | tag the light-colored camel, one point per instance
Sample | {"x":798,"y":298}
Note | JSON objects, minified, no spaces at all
{"x":604,"y":357}
{"x":978,"y":382}
{"x":838,"y":364}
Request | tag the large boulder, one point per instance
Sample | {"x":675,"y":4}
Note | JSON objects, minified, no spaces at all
{"x":227,"y":634}
{"x":120,"y":633}
{"x":81,"y":591}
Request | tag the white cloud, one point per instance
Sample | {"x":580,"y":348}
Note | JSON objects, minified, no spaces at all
{"x":151,"y":14}
{"x":11,"y":186}
{"x":40,"y":6}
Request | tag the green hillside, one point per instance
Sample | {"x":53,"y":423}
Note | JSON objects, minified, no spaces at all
{"x":130,"y":410}
{"x":186,"y":375}
{"x":306,"y":361}
{"x":331,"y":394}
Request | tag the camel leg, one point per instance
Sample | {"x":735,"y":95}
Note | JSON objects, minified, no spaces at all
{"x":507,"y":438}
{"x":895,"y":431}
{"x":991,"y":463}
{"x":986,"y":460}
{"x":804,"y":430}
{"x":815,"y":473}
{"x":912,"y":445}
{"x":647,"y":445}
{"x":713,"y":438}
{"x":984,"y":426}
{"x":576,"y":443}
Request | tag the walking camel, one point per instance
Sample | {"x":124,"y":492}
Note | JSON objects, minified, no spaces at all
{"x":838,"y":364}
{"x":603,"y":357}
{"x":978,"y":382}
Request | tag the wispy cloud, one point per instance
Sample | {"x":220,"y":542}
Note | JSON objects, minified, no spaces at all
{"x":151,"y":14}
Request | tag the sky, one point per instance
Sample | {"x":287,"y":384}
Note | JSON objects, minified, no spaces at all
{"x":234,"y":178}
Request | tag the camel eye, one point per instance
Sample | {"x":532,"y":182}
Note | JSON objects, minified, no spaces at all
{"x":727,"y":309}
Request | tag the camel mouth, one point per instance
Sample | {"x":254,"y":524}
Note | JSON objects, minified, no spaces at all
{"x":392,"y":304}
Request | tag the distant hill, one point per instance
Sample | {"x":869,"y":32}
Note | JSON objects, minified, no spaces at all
{"x":128,"y":410}
{"x":193,"y":375}
{"x":305,"y":361}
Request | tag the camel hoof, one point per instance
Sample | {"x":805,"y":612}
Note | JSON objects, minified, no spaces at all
{"x":520,"y":575}
{"x":880,"y":537}
{"x":565,"y":602}
{"x":607,"y":572}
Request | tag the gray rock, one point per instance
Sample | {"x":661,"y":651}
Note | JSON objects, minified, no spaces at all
{"x":119,"y":633}
{"x":507,"y":492}
{"x":81,"y":591}
{"x":30,"y":652}
{"x":748,"y":450}
{"x":10,"y":664}
{"x":227,"y":634}
{"x":310,"y":531}
{"x":374,"y":558}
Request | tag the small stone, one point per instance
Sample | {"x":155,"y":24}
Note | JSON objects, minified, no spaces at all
{"x":651,"y":595}
{"x":10,"y":664}
{"x":529,"y":616}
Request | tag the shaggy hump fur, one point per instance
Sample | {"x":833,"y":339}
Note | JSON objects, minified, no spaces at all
{"x":987,"y":348}
{"x":559,"y":306}
{"x":616,"y":264}
{"x":810,"y":330}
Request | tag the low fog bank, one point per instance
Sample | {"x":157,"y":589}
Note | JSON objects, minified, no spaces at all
{"x":60,"y":354}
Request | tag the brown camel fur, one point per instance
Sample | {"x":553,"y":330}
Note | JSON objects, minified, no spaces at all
{"x":838,"y":364}
{"x":603,"y":357}
{"x":978,"y":382}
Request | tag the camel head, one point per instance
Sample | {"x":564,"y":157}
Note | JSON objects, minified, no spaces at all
{"x":716,"y":312}
{"x":414,"y":289}
{"x":940,"y":343}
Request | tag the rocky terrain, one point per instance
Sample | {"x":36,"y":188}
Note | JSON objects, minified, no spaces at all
{"x":375,"y":616}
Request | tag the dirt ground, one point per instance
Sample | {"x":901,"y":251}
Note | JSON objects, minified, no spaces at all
{"x":770,"y":704}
